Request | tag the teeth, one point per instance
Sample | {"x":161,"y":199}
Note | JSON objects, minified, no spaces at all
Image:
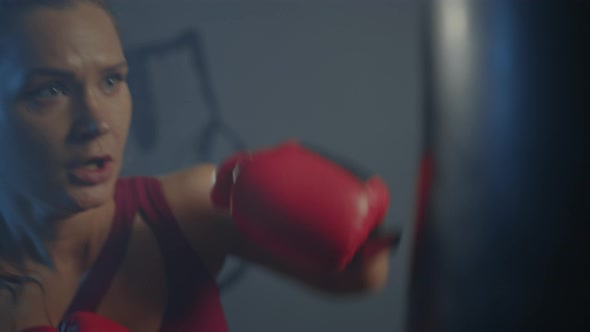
{"x":92,"y":166}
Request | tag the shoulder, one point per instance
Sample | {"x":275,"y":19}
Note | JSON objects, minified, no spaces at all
{"x":189,"y":189}
{"x":209,"y":231}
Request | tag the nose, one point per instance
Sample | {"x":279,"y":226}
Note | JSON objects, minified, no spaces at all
{"x":90,"y":120}
{"x":88,"y":129}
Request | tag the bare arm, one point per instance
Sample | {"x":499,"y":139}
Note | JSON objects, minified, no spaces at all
{"x":213,"y":236}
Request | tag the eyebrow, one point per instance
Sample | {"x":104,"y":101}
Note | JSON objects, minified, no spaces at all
{"x":45,"y":71}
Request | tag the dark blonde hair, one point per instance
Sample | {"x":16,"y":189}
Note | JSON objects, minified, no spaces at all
{"x":13,"y":251}
{"x":12,"y":8}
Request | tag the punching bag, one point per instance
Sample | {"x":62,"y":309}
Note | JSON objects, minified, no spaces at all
{"x":501,"y":238}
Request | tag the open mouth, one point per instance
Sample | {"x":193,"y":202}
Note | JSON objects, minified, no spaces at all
{"x":95,"y":163}
{"x":92,"y":171}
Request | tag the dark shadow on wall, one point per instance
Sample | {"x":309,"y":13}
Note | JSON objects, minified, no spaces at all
{"x":145,"y":127}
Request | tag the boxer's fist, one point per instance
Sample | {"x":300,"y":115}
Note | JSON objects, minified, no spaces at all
{"x":89,"y":322}
{"x":308,"y":209}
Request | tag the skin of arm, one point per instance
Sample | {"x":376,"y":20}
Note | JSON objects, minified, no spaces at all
{"x":213,"y":236}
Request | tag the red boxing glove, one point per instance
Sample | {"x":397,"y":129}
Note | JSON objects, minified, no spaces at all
{"x":305,"y":208}
{"x":89,"y":322}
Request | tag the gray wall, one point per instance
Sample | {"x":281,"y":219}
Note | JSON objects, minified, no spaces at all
{"x":343,"y":74}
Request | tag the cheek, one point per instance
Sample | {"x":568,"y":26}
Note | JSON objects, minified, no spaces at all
{"x":122,"y":117}
{"x":36,"y":137}
{"x":30,"y":156}
{"x":40,"y":147}
{"x":47,"y":136}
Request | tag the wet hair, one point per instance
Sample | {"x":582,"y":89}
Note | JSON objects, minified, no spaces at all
{"x":10,"y":9}
{"x":13,"y":251}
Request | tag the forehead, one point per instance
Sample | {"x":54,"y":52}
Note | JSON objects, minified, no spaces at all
{"x":72,"y":37}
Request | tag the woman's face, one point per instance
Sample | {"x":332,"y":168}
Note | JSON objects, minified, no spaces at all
{"x":64,"y":107}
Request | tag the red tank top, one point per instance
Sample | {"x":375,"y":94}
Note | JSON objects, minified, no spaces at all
{"x":193,"y":295}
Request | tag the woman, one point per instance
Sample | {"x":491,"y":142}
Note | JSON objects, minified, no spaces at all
{"x":74,"y":237}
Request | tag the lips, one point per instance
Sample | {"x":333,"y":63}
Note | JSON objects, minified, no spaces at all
{"x":91,"y":171}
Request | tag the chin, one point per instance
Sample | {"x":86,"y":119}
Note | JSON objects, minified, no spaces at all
{"x":84,"y":198}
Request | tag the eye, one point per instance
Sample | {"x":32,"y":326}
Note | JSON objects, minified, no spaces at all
{"x":111,"y":82}
{"x":48,"y":92}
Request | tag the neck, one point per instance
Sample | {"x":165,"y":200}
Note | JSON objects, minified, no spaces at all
{"x":30,"y":231}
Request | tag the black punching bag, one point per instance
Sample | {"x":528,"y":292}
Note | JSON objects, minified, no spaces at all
{"x":501,"y":239}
